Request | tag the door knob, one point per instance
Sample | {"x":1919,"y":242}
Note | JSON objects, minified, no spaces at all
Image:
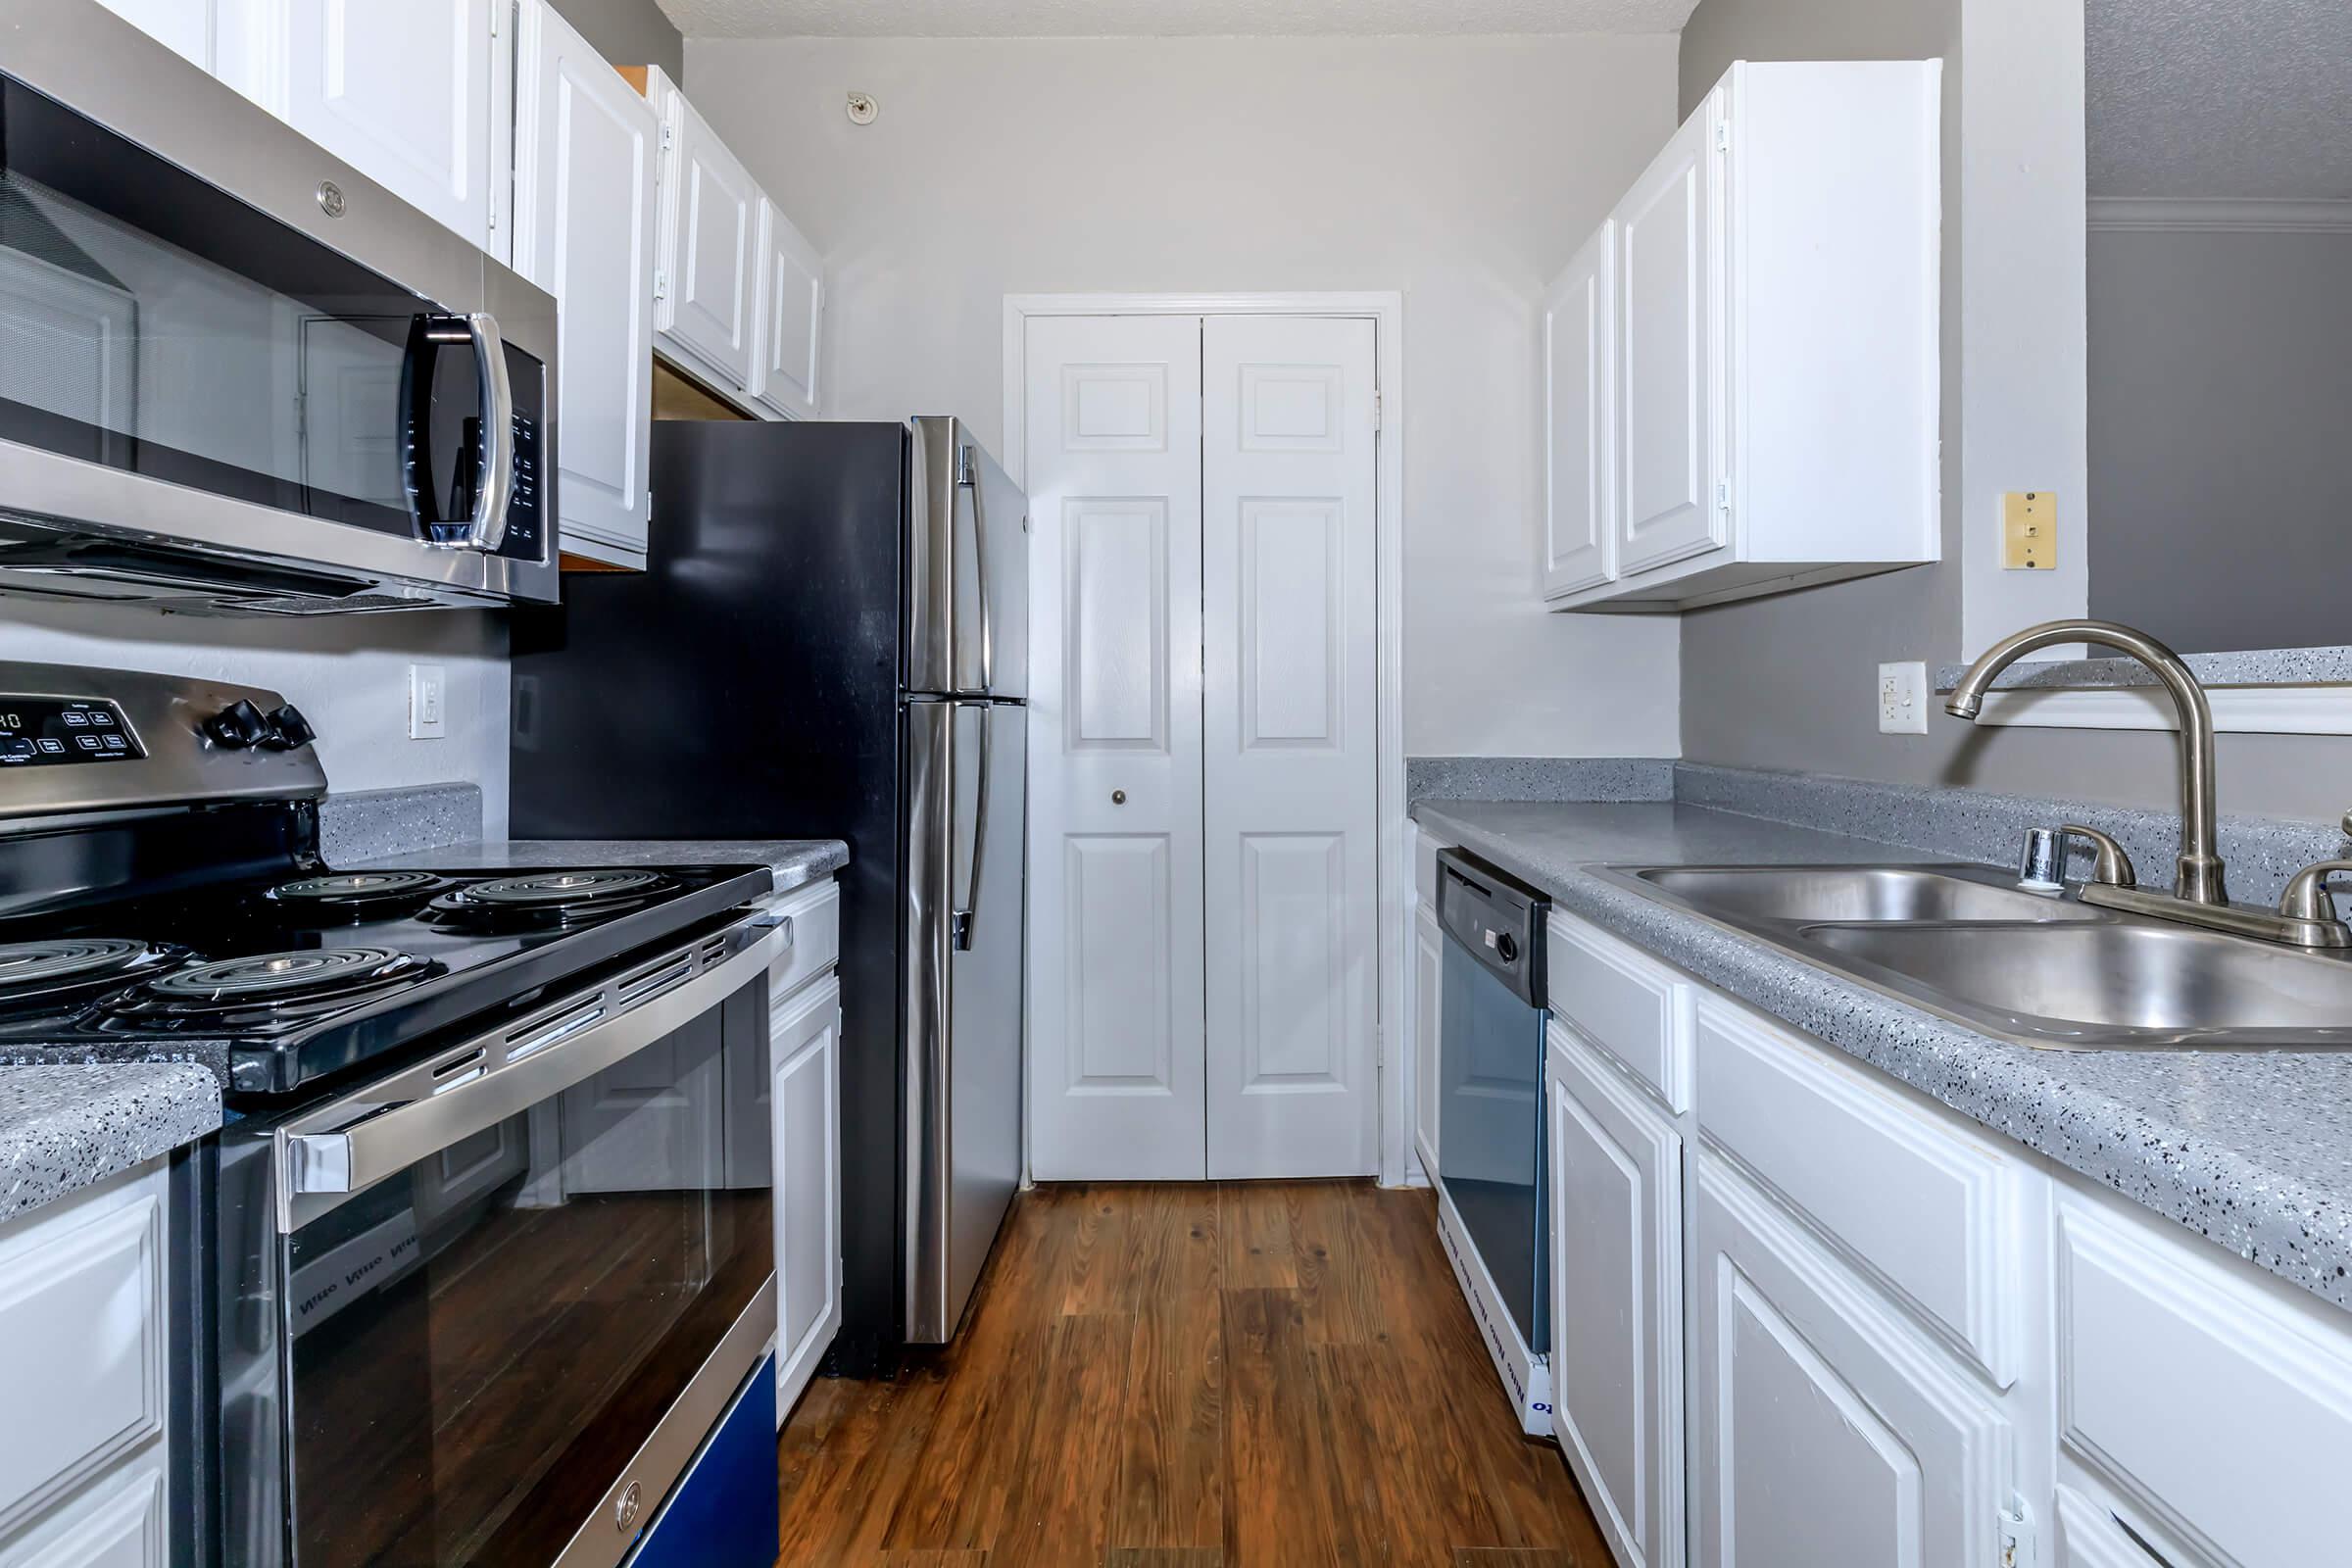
{"x":1118,"y":797}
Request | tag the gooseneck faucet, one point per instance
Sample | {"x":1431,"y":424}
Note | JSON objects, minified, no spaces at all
{"x":2199,"y":878}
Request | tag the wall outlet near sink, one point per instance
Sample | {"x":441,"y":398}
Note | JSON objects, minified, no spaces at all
{"x":1904,"y":699}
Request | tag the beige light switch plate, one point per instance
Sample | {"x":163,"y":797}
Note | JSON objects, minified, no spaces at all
{"x":2028,"y":531}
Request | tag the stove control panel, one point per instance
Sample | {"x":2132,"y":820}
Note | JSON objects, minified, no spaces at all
{"x":61,"y":731}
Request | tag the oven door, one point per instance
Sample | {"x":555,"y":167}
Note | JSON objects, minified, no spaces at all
{"x":524,"y":1279}
{"x":207,"y":394}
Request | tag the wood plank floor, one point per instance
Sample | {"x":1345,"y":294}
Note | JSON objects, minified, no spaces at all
{"x":1277,"y":1374}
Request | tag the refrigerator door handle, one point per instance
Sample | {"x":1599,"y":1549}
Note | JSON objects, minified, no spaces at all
{"x":967,"y":478}
{"x":959,"y":924}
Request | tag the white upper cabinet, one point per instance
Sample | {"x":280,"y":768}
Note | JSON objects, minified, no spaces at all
{"x":790,"y":316}
{"x":1773,"y":330}
{"x":706,"y":291}
{"x":1578,"y":364}
{"x":1669,"y":443}
{"x":585,"y":151}
{"x":185,"y":25}
{"x":406,"y":93}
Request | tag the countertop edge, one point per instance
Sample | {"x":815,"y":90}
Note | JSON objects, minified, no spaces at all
{"x":795,"y":863}
{"x":64,"y":1128}
{"x":2299,"y":1233}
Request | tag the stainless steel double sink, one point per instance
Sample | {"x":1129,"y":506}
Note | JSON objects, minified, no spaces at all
{"x":1969,"y":943}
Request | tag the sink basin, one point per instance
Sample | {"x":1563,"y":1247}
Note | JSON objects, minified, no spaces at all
{"x":2125,"y":983}
{"x":1967,"y":943}
{"x":1808,"y":894}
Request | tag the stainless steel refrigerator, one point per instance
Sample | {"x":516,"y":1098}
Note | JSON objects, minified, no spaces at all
{"x":830,"y":640}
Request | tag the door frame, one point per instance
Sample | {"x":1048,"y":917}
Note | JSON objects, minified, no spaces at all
{"x":1385,"y":309}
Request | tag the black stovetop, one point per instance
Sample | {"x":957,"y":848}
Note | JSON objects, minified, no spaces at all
{"x":281,"y":982}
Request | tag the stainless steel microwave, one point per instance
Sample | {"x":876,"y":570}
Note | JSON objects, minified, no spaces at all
{"x":235,"y":372}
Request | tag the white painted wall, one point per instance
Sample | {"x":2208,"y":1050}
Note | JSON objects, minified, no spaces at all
{"x":350,"y":677}
{"x":1461,"y":170}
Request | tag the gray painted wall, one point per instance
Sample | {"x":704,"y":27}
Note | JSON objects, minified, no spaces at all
{"x":628,"y":32}
{"x":2221,"y":397}
{"x":1787,"y":681}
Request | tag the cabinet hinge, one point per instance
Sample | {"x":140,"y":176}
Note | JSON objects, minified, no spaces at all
{"x":1723,"y":135}
{"x":1376,"y":411}
{"x":1723,"y":495}
{"x":669,"y":135}
{"x":2014,"y":1533}
{"x":660,"y":284}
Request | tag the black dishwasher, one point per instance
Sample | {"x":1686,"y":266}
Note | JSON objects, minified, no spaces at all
{"x":1490,"y":1160}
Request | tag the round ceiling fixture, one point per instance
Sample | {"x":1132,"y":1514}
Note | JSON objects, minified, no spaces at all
{"x":863,"y":108}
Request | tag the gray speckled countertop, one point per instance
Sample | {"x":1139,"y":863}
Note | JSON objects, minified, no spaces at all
{"x":794,"y":861}
{"x":61,"y":1128}
{"x":2253,"y":1152}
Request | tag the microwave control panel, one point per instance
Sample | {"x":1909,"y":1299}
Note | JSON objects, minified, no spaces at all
{"x":64,"y":731}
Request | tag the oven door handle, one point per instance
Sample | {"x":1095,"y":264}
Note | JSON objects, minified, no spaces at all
{"x":380,"y":1131}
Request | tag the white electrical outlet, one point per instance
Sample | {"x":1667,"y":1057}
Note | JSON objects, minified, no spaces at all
{"x":428,"y":692}
{"x":1904,"y":699}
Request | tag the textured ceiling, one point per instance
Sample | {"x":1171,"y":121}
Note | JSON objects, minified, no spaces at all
{"x":1083,"y":18}
{"x":2219,"y":98}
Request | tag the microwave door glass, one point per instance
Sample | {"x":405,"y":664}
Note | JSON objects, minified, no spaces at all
{"x":152,"y":322}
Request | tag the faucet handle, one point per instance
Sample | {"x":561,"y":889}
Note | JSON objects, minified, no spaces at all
{"x":2307,"y":905}
{"x":2042,"y":862}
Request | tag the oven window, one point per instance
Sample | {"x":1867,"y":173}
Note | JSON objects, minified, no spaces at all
{"x":480,"y":1344}
{"x":152,"y":322}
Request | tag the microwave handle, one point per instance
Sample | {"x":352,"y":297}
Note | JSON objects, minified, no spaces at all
{"x":488,"y":527}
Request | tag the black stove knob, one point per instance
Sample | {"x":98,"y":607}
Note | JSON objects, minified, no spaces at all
{"x":288,"y":729}
{"x":237,"y":726}
{"x":18,"y":749}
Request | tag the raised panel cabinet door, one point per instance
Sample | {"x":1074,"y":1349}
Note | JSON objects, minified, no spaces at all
{"x":402,"y":92}
{"x":1115,"y":959}
{"x":185,"y":25}
{"x":586,"y":200}
{"x":1617,"y":1302}
{"x":1580,"y":391}
{"x":711,"y":231}
{"x":1668,"y":406}
{"x":790,"y":316}
{"x":117,"y":1521}
{"x":1291,"y":834}
{"x":1429,"y":979}
{"x":1823,"y":1428}
{"x":804,"y":1043}
{"x":84,"y":1339}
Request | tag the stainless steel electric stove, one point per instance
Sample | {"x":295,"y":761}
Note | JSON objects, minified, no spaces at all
{"x":485,"y":1248}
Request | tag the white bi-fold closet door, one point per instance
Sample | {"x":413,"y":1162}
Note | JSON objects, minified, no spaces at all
{"x":1203,"y":841}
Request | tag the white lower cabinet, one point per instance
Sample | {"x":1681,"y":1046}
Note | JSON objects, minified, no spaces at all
{"x":1429,"y":982}
{"x":2214,"y":1403}
{"x":1825,"y":1428}
{"x":116,"y":1522}
{"x":1901,"y":1339}
{"x":84,"y":1341}
{"x":804,"y":1046}
{"x":1617,"y":1300}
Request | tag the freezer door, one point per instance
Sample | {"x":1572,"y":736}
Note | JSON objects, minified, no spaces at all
{"x":967,"y":566}
{"x":967,"y":809}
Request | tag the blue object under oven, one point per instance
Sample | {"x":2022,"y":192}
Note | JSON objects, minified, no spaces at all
{"x":1490,"y":1157}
